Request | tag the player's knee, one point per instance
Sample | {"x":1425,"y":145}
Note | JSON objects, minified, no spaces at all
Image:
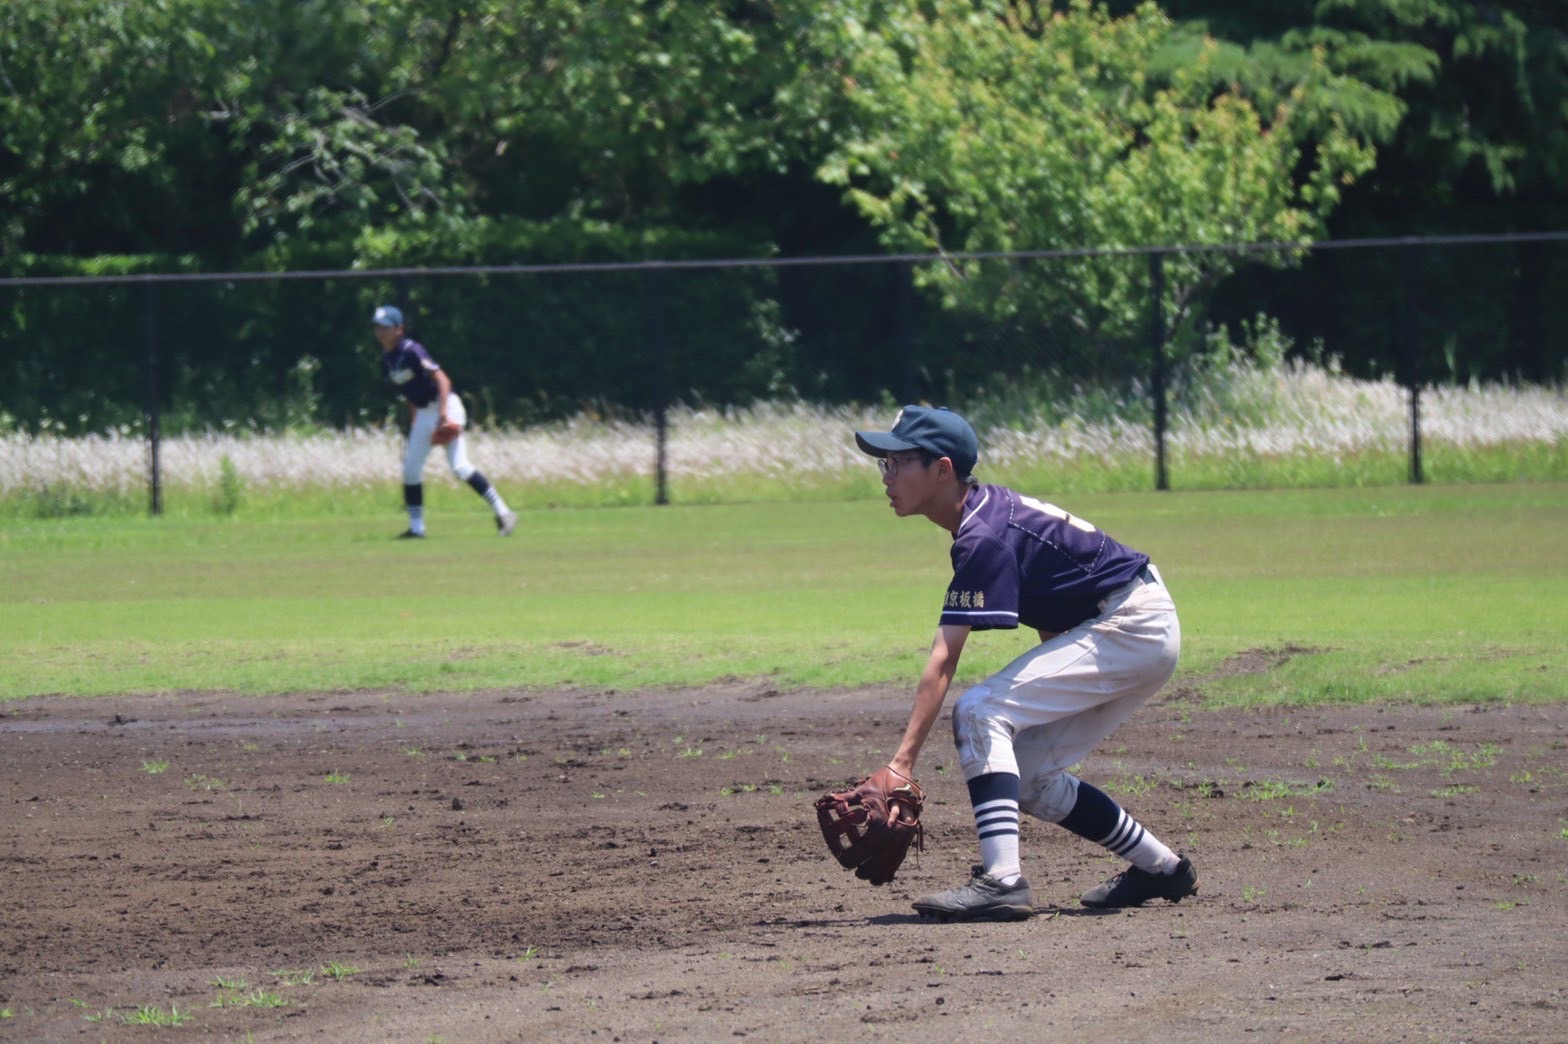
{"x":982,"y":737}
{"x":966,"y":719}
{"x":1050,"y":797}
{"x":463,"y":470}
{"x":974,"y":709}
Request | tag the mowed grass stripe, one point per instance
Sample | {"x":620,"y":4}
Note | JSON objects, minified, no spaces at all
{"x":1431,"y":593}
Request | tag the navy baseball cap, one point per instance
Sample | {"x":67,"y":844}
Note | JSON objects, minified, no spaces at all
{"x":938,"y":431}
{"x":386,"y":315}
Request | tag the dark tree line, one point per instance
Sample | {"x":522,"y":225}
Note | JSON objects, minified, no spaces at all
{"x":276,"y":135}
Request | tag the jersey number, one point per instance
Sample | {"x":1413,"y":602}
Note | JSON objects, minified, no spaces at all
{"x":1056,"y":512}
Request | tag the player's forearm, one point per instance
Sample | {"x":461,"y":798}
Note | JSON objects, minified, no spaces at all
{"x":930,"y":694}
{"x":929,"y":698}
{"x":443,"y":390}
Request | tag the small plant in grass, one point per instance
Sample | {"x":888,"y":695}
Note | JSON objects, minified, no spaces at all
{"x":1135,"y":785}
{"x":1451,"y":759}
{"x":202,"y":782}
{"x":295,"y":976}
{"x":413,"y":752}
{"x":338,"y":971}
{"x":152,"y":1015}
{"x":257,"y":998}
{"x":529,"y":954}
{"x":230,"y":493}
{"x":691,"y":752}
{"x":153,"y":768}
{"x":225,"y":983}
{"x":337,"y":777}
{"x":1273,"y":789}
{"x":1250,"y":894}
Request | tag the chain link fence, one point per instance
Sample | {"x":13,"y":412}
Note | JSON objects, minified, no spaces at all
{"x":1182,"y":357}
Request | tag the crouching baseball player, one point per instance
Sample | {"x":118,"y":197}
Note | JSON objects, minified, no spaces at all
{"x":436,"y":418}
{"x":1109,"y":639}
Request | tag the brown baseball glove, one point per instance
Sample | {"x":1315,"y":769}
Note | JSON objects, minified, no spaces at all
{"x":870,"y":826}
{"x":447,"y":431}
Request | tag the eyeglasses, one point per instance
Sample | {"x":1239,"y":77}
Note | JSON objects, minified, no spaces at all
{"x":891,"y":464}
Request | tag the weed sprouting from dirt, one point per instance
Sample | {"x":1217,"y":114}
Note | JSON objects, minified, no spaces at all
{"x":152,"y":1015}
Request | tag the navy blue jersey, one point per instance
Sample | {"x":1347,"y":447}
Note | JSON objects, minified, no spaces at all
{"x":410,"y":367}
{"x":1018,"y":560}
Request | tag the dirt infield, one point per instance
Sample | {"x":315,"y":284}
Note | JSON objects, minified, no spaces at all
{"x":645,"y":866}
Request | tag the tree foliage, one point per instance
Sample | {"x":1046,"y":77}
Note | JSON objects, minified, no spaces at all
{"x":981,"y":132}
{"x":226,"y":135}
{"x":220,"y":128}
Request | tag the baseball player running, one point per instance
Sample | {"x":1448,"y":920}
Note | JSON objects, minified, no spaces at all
{"x":1109,"y":639}
{"x":433,"y":406}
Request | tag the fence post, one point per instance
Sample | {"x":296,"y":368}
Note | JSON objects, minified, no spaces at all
{"x":1409,"y":337}
{"x":1157,"y":344}
{"x":653,"y":299}
{"x":908,"y":371}
{"x":154,"y":435}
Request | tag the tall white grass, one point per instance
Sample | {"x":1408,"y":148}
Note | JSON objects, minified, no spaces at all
{"x":1288,"y":411}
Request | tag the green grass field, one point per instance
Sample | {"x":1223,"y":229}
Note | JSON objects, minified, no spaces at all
{"x":1436,"y":593}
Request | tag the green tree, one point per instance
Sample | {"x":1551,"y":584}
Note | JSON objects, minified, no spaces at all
{"x":102,"y":127}
{"x":1468,"y":103}
{"x":980,"y":129}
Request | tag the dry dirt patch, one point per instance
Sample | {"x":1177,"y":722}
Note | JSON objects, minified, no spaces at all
{"x":645,"y":866}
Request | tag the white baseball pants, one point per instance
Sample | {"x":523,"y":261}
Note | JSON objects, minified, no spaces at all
{"x":1050,"y":707}
{"x":425,"y":420}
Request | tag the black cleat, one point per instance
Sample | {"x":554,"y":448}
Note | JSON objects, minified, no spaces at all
{"x":409,"y":534}
{"x":1134,"y":887}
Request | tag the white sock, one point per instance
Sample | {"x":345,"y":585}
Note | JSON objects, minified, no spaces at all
{"x":496,"y":503}
{"x":1134,"y":843}
{"x":996,"y":823}
{"x":416,"y":520}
